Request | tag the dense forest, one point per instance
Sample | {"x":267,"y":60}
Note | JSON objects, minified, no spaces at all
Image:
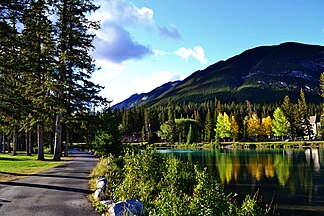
{"x":215,"y":121}
{"x":45,"y":71}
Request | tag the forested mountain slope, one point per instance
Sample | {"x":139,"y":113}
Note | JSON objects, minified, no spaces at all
{"x":261,"y":75}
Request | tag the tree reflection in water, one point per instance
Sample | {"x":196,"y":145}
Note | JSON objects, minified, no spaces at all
{"x":295,"y":176}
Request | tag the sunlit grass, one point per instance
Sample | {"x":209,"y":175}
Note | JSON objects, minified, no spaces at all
{"x":20,"y":166}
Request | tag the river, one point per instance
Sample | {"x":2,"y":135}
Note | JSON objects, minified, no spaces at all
{"x":291,"y":179}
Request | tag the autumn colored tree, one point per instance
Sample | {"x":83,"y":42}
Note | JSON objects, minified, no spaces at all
{"x":280,"y":123}
{"x":253,"y":126}
{"x":223,"y":126}
{"x":266,"y":127}
{"x":235,"y":129}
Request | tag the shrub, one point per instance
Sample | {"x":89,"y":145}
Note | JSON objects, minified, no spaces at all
{"x":168,"y":186}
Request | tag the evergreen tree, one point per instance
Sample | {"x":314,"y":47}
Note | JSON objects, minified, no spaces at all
{"x":190,"y":135}
{"x":74,"y":92}
{"x":322,"y":111}
{"x":39,"y":60}
{"x":208,"y":126}
{"x":11,"y":90}
{"x":171,"y":122}
{"x":288,"y":110}
{"x":303,"y":110}
{"x":108,"y":139}
{"x":147,"y":124}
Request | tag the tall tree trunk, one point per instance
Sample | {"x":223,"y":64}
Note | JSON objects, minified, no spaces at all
{"x":15,"y":141}
{"x":67,"y":142}
{"x":40,"y":141}
{"x":30,"y":142}
{"x":8,"y":145}
{"x":3,"y":143}
{"x":27,"y":142}
{"x":58,"y":137}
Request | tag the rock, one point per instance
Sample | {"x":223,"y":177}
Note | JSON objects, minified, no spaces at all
{"x":107,"y":202}
{"x":102,"y":183}
{"x":99,"y":194}
{"x":129,"y":206}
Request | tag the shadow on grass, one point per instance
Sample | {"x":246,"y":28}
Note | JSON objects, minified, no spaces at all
{"x":11,"y":159}
{"x":49,"y":187}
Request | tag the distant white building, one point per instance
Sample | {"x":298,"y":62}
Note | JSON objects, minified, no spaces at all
{"x":315,"y":122}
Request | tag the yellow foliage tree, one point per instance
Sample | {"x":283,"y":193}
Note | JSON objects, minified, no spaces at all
{"x":234,"y":128}
{"x":253,"y":126}
{"x":266,"y":126}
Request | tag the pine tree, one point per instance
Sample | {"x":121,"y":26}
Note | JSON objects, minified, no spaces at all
{"x":322,"y":111}
{"x":39,"y":51}
{"x":171,"y":121}
{"x":189,"y":136}
{"x":208,"y":126}
{"x":288,"y":110}
{"x":303,"y":111}
{"x":147,"y":123}
{"x":11,"y":92}
{"x":74,"y":92}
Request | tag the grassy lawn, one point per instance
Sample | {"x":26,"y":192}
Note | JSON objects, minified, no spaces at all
{"x":21,"y":166}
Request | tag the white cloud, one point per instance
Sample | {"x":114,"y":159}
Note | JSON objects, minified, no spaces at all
{"x":113,"y":41}
{"x":115,"y":44}
{"x":159,"y":52}
{"x":197,"y":52}
{"x":122,"y":12}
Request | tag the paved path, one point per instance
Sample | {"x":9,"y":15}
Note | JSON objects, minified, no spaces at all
{"x":58,"y":191}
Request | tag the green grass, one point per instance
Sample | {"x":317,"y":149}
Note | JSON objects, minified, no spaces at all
{"x":20,"y":166}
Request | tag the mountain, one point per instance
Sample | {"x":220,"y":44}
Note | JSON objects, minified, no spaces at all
{"x":261,"y":75}
{"x":140,"y":99}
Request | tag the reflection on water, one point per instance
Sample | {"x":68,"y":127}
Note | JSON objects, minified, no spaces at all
{"x":294,"y":178}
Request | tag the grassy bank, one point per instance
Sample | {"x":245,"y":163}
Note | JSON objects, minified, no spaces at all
{"x":259,"y":144}
{"x":21,"y":166}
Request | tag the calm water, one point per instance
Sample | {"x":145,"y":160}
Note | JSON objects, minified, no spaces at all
{"x":292,"y":178}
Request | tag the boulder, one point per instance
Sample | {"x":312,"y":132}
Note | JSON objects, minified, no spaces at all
{"x":101,"y":185}
{"x":107,"y":202}
{"x":127,"y":207}
{"x":99,"y":194}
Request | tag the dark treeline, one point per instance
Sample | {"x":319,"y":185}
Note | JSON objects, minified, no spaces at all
{"x":45,"y":71}
{"x":246,"y":121}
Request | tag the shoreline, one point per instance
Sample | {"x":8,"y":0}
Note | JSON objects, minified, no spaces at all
{"x":235,"y":145}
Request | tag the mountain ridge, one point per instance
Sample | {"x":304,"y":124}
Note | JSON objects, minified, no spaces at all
{"x":263,"y":74}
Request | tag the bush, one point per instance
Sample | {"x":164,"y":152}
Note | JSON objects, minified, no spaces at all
{"x":168,"y":186}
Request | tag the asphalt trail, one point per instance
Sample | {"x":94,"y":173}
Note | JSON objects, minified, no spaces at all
{"x":58,"y":191}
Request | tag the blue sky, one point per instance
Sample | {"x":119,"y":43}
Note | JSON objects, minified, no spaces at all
{"x":145,"y":43}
